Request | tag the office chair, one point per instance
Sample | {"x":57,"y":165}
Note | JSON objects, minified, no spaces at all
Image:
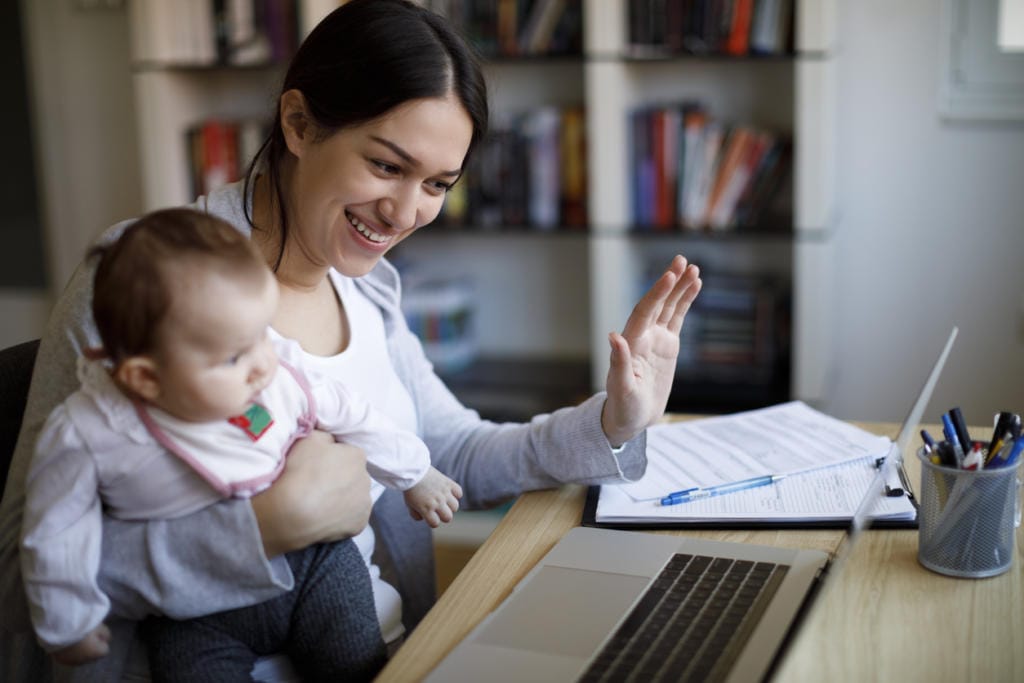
{"x":16,"y":364}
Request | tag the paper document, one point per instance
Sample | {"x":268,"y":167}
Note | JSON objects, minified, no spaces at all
{"x":828,"y":464}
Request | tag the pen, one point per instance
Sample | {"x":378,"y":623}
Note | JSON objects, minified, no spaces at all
{"x":973,"y":460}
{"x":999,"y":430}
{"x":960,"y":425}
{"x":951,"y":438}
{"x":946,"y":455}
{"x":1008,"y":455}
{"x":696,"y":493}
{"x":929,"y":442}
{"x":1014,"y":455}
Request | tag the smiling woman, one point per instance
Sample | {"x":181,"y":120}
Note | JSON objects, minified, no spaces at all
{"x":378,"y":113}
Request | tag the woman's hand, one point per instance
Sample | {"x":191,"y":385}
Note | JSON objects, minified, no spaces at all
{"x":643,"y":357}
{"x":94,"y":645}
{"x":322,"y":495}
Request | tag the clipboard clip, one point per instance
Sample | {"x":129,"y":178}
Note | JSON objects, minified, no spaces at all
{"x":896,"y":491}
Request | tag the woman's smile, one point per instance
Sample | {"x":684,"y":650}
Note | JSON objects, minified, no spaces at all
{"x":378,"y":239}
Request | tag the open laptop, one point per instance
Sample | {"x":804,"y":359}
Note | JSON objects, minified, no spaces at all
{"x":609,"y":605}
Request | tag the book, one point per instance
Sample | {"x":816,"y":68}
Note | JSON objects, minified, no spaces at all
{"x":540,"y":26}
{"x":573,"y":144}
{"x":541,"y":128}
{"x":738,"y":42}
{"x":825,"y":465}
{"x":666,"y":126}
{"x":707,"y":154}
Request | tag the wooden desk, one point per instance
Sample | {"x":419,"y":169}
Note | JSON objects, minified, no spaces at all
{"x":886,"y":618}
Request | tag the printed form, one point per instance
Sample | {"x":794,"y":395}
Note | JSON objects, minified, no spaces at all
{"x":827,"y":464}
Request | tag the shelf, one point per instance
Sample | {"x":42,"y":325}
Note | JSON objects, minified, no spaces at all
{"x":447,"y":229}
{"x":506,"y":389}
{"x":719,"y":398}
{"x":529,"y":61}
{"x":556,"y":293}
{"x":644,"y":56}
{"x":200,"y":69}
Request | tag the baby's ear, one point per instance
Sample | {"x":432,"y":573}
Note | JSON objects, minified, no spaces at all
{"x":139,"y":375}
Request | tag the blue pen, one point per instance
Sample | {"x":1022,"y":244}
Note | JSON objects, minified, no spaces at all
{"x":1008,"y":455}
{"x":1018,"y":446}
{"x":950,"y":433}
{"x":929,"y":442}
{"x":960,"y":425}
{"x":696,"y":493}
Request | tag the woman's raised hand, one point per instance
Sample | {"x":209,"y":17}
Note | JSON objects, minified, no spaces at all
{"x":643,"y":357}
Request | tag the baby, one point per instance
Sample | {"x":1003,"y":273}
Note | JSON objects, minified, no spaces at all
{"x":195,"y":399}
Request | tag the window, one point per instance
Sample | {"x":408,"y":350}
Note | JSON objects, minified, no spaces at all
{"x":982,"y":79}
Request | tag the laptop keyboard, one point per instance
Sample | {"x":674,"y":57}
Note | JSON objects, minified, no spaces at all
{"x":691,"y":623}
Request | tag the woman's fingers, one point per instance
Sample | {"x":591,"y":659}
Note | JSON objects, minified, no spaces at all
{"x":651,"y":305}
{"x":679,"y":290}
{"x":687,"y":293}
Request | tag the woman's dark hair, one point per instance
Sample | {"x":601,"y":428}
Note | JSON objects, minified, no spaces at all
{"x":360,"y":62}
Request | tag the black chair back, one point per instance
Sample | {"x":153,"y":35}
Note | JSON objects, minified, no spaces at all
{"x":16,"y":364}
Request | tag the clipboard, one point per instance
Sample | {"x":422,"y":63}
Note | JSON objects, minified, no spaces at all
{"x":589,"y":519}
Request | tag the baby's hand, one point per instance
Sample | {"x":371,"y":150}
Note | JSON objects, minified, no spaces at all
{"x":434,"y":499}
{"x":96,"y":644}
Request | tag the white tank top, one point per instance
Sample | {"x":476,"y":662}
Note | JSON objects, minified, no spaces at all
{"x":365,"y":368}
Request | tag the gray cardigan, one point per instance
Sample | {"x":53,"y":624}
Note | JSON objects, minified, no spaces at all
{"x":167,"y":564}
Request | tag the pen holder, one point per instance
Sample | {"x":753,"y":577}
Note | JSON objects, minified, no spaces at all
{"x":966,"y":519}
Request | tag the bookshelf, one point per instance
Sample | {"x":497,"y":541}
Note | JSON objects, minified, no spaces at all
{"x":547,"y":298}
{"x":791,"y":93}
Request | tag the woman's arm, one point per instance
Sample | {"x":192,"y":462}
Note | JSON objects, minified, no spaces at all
{"x":494,"y":462}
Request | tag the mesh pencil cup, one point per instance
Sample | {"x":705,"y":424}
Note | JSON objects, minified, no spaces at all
{"x":966,"y":519}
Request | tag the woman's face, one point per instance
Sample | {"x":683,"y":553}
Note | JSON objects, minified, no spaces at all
{"x":363,"y":190}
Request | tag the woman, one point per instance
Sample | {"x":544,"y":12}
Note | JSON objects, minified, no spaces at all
{"x":379,"y":112}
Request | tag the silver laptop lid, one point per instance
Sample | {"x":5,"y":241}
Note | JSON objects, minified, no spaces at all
{"x":893,"y":463}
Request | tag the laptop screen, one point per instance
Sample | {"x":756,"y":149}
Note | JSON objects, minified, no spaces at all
{"x":892,"y":466}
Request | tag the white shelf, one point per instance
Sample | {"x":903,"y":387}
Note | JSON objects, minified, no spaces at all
{"x":560,"y":295}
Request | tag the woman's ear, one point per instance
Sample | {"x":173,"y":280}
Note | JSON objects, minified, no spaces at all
{"x":139,"y":375}
{"x":295,"y":121}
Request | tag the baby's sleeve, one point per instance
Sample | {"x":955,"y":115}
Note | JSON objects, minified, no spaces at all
{"x":62,"y":537}
{"x":395,"y":457}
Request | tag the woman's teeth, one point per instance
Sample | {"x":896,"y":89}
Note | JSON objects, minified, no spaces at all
{"x":366,"y":232}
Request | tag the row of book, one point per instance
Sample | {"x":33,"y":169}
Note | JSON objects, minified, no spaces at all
{"x":695,"y":172}
{"x":530,"y":171}
{"x":516,"y":28}
{"x":220,"y":151}
{"x":440,"y":311}
{"x":736,"y":332}
{"x":711,"y":27}
{"x":217,"y":32}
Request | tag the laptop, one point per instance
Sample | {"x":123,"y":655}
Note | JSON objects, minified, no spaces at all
{"x":613,"y":605}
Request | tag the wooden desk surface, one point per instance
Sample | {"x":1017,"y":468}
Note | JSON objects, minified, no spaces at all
{"x":887,"y":618}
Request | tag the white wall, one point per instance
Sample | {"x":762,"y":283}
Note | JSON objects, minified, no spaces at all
{"x":932,"y":228}
{"x":84,"y":125}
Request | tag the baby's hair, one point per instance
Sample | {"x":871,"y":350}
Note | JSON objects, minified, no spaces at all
{"x":134,"y":281}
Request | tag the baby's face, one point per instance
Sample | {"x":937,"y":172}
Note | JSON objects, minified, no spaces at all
{"x":214,"y":354}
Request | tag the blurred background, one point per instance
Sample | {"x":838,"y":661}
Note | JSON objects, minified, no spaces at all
{"x":927,"y":230}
